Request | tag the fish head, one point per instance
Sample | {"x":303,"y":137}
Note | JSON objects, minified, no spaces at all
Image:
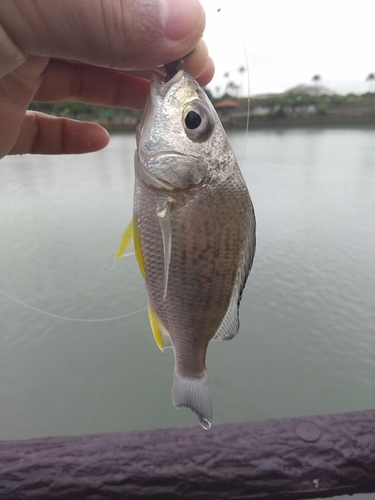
{"x":179,"y":137}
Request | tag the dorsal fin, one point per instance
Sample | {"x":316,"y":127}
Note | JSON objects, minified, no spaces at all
{"x":230,"y":325}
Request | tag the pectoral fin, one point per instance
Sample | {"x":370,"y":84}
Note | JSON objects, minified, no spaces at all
{"x":165,"y":225}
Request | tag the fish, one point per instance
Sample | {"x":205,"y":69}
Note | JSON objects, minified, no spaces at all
{"x":193,"y":229}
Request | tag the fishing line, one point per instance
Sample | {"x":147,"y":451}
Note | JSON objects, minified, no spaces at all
{"x":114,"y":318}
{"x":218,"y":17}
{"x":248,"y":99}
{"x":68,"y":318}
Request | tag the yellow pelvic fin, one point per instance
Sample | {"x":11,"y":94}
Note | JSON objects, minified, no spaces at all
{"x":156,"y":328}
{"x":125,"y":240}
{"x":131,"y":233}
{"x":137,"y":248}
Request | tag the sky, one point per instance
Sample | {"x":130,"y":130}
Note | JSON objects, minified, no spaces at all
{"x":286,"y":42}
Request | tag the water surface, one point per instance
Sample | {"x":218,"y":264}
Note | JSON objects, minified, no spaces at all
{"x":306,"y":344}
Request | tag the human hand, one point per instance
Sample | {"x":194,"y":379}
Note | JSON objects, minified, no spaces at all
{"x":95,"y":51}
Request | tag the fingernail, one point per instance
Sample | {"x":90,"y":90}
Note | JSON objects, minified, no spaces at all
{"x":180,"y":17}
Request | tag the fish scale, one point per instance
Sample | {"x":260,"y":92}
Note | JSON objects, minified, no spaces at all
{"x":195,"y":231}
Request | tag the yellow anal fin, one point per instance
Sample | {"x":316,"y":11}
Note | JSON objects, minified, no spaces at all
{"x":125,"y":240}
{"x":156,"y":328}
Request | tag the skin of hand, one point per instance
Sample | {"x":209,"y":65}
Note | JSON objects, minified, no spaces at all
{"x":96,"y":51}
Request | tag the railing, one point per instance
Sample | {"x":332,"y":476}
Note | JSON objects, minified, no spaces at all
{"x":296,"y":458}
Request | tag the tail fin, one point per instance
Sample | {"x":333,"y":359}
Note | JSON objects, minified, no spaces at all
{"x":193,"y":393}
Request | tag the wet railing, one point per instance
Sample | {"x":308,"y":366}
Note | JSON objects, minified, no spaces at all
{"x":294,"y":458}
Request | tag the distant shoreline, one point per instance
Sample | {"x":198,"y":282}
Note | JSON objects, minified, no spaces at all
{"x":264,"y":122}
{"x":305,"y":121}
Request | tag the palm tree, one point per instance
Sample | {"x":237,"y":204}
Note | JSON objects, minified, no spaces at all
{"x":226,"y":76}
{"x":241,"y":70}
{"x":232,"y":88}
{"x":316,"y":79}
{"x":371,"y":79}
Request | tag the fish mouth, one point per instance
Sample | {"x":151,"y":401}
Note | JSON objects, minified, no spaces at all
{"x":160,"y":87}
{"x":165,"y":154}
{"x":169,"y":171}
{"x":158,"y":90}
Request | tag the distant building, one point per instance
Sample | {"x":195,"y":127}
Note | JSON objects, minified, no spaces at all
{"x":226,"y":104}
{"x":265,"y":91}
{"x":226,"y":108}
{"x":304,"y":88}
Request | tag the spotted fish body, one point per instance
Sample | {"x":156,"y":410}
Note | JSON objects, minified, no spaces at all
{"x":194,"y":231}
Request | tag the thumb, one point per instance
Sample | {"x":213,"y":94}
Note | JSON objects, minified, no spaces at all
{"x":123,"y":34}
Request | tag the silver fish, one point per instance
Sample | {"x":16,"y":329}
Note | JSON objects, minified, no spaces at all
{"x":193,"y":229}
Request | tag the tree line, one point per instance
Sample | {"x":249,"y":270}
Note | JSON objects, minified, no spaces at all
{"x":232,"y":90}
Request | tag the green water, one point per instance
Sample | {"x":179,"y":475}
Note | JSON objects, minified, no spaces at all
{"x":306,"y":344}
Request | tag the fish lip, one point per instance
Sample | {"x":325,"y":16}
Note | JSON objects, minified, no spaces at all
{"x":159,"y":184}
{"x":159,"y":87}
{"x":153,"y":156}
{"x":158,"y":90}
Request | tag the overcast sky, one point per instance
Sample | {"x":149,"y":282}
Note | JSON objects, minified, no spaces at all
{"x":289,"y":41}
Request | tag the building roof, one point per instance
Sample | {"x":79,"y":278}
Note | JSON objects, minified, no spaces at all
{"x":226,"y":103}
{"x":304,"y":88}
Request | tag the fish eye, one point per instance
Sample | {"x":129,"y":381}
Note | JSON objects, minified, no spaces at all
{"x":198,"y":121}
{"x":193,"y":120}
